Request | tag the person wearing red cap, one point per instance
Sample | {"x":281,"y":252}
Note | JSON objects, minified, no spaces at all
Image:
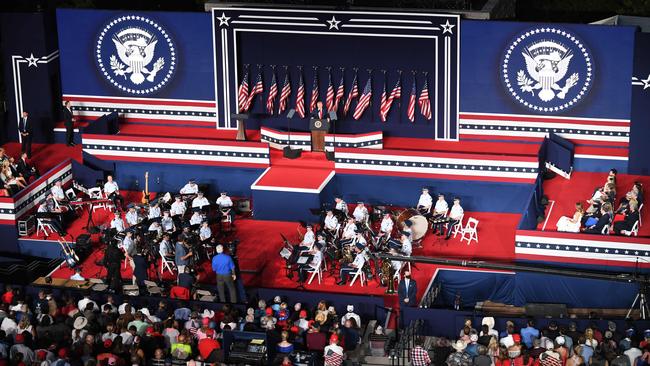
{"x":63,"y":358}
{"x":19,"y":347}
{"x":209,"y":347}
{"x":333,"y":353}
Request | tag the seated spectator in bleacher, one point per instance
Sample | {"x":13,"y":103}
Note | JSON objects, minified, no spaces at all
{"x":458,"y":358}
{"x":603,"y":221}
{"x":351,"y":336}
{"x":8,"y":178}
{"x":284,"y":346}
{"x":377,"y":341}
{"x":571,"y":224}
{"x":24,"y":169}
{"x":624,"y":225}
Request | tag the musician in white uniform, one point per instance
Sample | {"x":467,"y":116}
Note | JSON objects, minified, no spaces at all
{"x":359,"y":239}
{"x":127,"y":242}
{"x":350,"y":229}
{"x":132,"y":217}
{"x":359,"y":261}
{"x":407,"y":247}
{"x":425,"y":202}
{"x":341,"y":205}
{"x":308,"y":239}
{"x":455,"y":216}
{"x":166,"y":222}
{"x":360,"y":213}
{"x":190,"y":188}
{"x":155,"y":226}
{"x":439,"y":212}
{"x":225,"y":205}
{"x":57,"y":192}
{"x":316,"y":260}
{"x":200,"y":201}
{"x":117,"y":223}
{"x":112,"y":191}
{"x":197,"y":217}
{"x":178,"y":207}
{"x":205,"y":233}
{"x":386,"y":226}
{"x":166,"y":248}
{"x":154,"y":210}
{"x":331,"y":222}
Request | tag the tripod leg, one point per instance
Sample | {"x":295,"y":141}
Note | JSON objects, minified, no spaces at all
{"x":629,"y":312}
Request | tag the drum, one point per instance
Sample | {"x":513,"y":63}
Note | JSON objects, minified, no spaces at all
{"x":419,"y":227}
{"x":406,"y":215}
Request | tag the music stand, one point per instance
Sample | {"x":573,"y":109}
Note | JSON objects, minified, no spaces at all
{"x":330,"y":154}
{"x":241,"y":126}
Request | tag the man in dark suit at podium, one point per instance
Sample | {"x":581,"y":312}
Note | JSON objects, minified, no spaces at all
{"x":319,"y":112}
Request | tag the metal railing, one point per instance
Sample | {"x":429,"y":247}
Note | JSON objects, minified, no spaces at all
{"x":431,"y":296}
{"x":405,"y":341}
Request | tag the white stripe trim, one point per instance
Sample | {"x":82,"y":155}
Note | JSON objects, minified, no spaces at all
{"x":437,"y":160}
{"x":548,"y":117}
{"x":375,"y":13}
{"x":601,"y":157}
{"x":194,"y":157}
{"x":389,"y":27}
{"x":572,"y":243}
{"x":581,"y":254}
{"x":279,"y":23}
{"x":364,"y":20}
{"x":440,"y":171}
{"x":71,"y":96}
{"x":270,"y":17}
{"x":479,"y":122}
{"x":172,"y":145}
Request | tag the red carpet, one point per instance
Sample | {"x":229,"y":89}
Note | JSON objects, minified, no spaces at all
{"x":46,"y":156}
{"x":184,"y":132}
{"x":565,"y":194}
{"x":289,"y":179}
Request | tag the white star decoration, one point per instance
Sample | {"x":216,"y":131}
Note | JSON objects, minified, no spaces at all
{"x":333,"y":23}
{"x":447,"y":27}
{"x":646,"y":82}
{"x":223,"y":20}
{"x":31,"y":60}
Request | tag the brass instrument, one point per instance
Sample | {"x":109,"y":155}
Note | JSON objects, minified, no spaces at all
{"x":301,"y":235}
{"x":385,"y":272}
{"x":347,"y":256}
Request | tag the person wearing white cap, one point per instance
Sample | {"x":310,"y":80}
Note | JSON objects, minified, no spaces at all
{"x":425,"y":202}
{"x":489,"y":321}
{"x":351,"y":315}
{"x":308,"y":239}
{"x":460,"y":357}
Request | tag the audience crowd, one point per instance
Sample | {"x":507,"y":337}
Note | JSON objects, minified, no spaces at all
{"x":15,"y":174}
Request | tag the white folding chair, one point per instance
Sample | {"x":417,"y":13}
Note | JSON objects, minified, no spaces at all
{"x":71,"y":194}
{"x":359,"y":274}
{"x":166,"y":264}
{"x":470,"y":231}
{"x":640,"y":208}
{"x":458,"y":228}
{"x":318,"y":271}
{"x":634,"y":231}
{"x":43,"y":226}
{"x":398,"y":273}
{"x":605,"y":230}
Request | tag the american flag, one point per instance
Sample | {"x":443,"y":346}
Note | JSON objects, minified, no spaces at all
{"x":339,"y":92}
{"x":273,"y":93}
{"x":354,"y":92}
{"x":423,"y":101}
{"x":258,"y":88}
{"x":383,"y":102}
{"x":364,"y":101}
{"x":395,"y":94}
{"x":329,"y":98}
{"x":285,"y":93}
{"x":314,"y":92}
{"x":243,"y":92}
{"x":410,"y":109}
{"x":300,"y":97}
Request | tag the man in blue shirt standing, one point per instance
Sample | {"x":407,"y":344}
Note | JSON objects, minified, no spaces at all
{"x":528,"y":333}
{"x":224,"y":267}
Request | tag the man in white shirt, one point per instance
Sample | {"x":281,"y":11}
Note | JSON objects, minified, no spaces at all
{"x":308,"y":239}
{"x":407,"y":247}
{"x":178,"y":207}
{"x":57,"y":192}
{"x":154,"y":210}
{"x":386,"y":227}
{"x":360,"y":213}
{"x":112,"y":191}
{"x":85,"y":301}
{"x":200,"y":201}
{"x":341,"y":205}
{"x":132,"y":217}
{"x":166,"y":248}
{"x":317,"y":258}
{"x":455,"y":217}
{"x":224,"y":201}
{"x":351,"y":315}
{"x":166,"y":222}
{"x":190,"y":188}
{"x":127,"y":243}
{"x":359,"y":239}
{"x":425,"y":202}
{"x":350,"y":229}
{"x":155,"y":226}
{"x":331,"y":223}
{"x":439,"y":211}
{"x":117,"y":223}
{"x":197,"y":217}
{"x":359,"y":261}
{"x":205,"y":233}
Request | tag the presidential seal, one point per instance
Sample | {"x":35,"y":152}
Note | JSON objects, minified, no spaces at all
{"x":135,"y":54}
{"x":547,"y":70}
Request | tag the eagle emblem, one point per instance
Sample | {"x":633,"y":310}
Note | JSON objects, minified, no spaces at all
{"x":136,"y":54}
{"x":547,"y":69}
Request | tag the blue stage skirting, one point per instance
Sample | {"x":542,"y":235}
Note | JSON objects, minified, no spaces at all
{"x":40,"y":248}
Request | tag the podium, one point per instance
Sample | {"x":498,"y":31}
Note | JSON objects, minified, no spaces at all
{"x":241,"y":126}
{"x":319,"y":128}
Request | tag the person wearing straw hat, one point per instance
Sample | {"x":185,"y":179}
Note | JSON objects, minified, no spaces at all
{"x":460,"y":357}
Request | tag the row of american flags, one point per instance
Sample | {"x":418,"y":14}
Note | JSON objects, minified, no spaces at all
{"x":335,"y":97}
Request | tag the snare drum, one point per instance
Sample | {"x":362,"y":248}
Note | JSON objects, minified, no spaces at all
{"x":419,"y":224}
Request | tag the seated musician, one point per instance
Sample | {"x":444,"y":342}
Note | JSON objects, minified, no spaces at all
{"x":128,"y":245}
{"x":360,"y":213}
{"x":191,"y":188}
{"x":331,"y":223}
{"x":359,"y":261}
{"x":439,"y":212}
{"x":154,"y":210}
{"x":455,"y":216}
{"x":132,"y":217}
{"x":167,"y":223}
{"x":394,"y":250}
{"x":205,"y":233}
{"x":156,"y":227}
{"x":308,"y":239}
{"x":48,"y":212}
{"x":359,"y":239}
{"x":112,"y":192}
{"x":320,"y":240}
{"x":624,"y":226}
{"x":178,"y":207}
{"x":341,"y":205}
{"x":350,"y":229}
{"x":386,"y":227}
{"x":225,"y":205}
{"x":117,"y":223}
{"x":197,"y":217}
{"x":407,"y":247}
{"x":165,"y":247}
{"x":316,"y":260}
{"x":58,"y":194}
{"x":425,"y":202}
{"x":200,"y":201}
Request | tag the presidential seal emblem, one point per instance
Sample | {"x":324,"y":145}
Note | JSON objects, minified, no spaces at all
{"x":547,"y":70}
{"x":135,"y":54}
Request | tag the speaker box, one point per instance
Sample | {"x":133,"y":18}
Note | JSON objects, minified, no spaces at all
{"x":83,"y":240}
{"x":546,"y":310}
{"x":243,"y":206}
{"x":290,"y":153}
{"x":329,"y":155}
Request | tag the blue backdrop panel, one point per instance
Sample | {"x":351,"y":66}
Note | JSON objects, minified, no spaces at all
{"x":476,"y":286}
{"x":640,"y":129}
{"x":171,"y":177}
{"x":40,"y":248}
{"x":285,"y":206}
{"x":600,"y":165}
{"x":191,"y":34}
{"x":484,"y":44}
{"x":31,"y":69}
{"x":475,"y":196}
{"x":9,"y":243}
